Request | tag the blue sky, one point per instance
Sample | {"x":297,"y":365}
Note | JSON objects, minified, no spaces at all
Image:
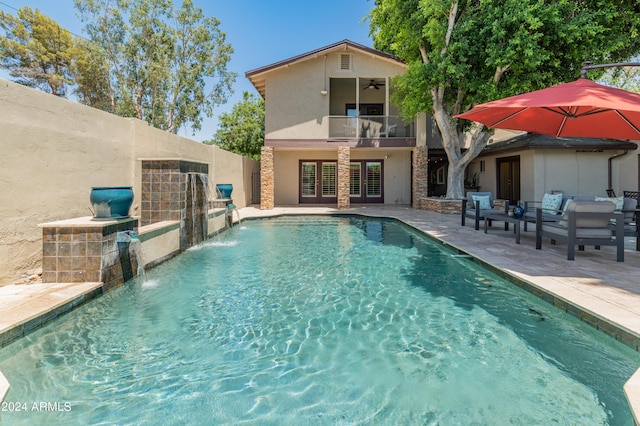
{"x":261,"y":32}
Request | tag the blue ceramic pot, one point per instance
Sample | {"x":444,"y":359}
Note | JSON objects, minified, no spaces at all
{"x":518,"y":212}
{"x":224,"y":190}
{"x":111,"y":202}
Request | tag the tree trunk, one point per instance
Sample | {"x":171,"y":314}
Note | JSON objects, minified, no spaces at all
{"x":452,"y":142}
{"x":455,"y":180}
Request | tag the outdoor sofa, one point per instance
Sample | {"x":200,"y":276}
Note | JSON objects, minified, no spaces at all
{"x":584,"y":223}
{"x":628,"y":205}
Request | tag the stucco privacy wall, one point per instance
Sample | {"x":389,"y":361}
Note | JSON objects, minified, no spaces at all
{"x":55,"y":150}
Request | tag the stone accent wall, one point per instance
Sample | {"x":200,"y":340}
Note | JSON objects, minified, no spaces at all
{"x":267,"y":177}
{"x":82,"y":250}
{"x":344,"y":177}
{"x":164,"y":189}
{"x":420,"y":175}
{"x":441,"y":205}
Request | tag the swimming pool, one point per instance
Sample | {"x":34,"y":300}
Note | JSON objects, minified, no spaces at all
{"x":328,"y":320}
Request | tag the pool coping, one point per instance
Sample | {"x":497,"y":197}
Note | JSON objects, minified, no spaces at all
{"x":37,"y":304}
{"x":612,"y":328}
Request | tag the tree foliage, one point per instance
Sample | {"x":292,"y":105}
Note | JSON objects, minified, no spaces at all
{"x":242,"y":129}
{"x":37,"y":51}
{"x":91,"y":77}
{"x":463,"y":52}
{"x":627,"y":78}
{"x":163,"y":65}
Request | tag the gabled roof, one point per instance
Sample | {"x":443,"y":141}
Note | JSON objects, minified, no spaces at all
{"x":537,"y":141}
{"x":257,"y":78}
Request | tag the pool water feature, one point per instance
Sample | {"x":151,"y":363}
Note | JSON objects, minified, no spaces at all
{"x":327,"y":320}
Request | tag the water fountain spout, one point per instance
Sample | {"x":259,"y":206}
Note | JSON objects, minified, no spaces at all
{"x":131,"y":245}
{"x":231,"y":208}
{"x":197,"y":208}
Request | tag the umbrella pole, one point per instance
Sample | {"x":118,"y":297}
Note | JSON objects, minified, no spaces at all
{"x":586,"y":66}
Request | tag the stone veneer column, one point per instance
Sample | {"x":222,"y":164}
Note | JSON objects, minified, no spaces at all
{"x":267,"y":177}
{"x":344,"y":177}
{"x":420,"y":175}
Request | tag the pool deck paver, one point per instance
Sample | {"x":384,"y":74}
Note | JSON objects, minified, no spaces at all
{"x":25,"y":307}
{"x":594,"y":281}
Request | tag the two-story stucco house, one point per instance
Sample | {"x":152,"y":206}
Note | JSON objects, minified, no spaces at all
{"x":332,"y":134}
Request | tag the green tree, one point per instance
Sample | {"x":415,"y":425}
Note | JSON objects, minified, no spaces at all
{"x":166,"y":66}
{"x":463,"y":52}
{"x":91,"y":76}
{"x":37,"y":51}
{"x":242,"y":130}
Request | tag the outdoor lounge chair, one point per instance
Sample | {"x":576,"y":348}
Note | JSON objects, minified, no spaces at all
{"x":477,"y":204}
{"x":390,"y":132}
{"x":631,"y":217}
{"x":584,"y":223}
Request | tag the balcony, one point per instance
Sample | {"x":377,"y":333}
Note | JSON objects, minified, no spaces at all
{"x":370,"y":127}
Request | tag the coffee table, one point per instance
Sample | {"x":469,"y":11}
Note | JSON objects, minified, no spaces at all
{"x":507,"y":220}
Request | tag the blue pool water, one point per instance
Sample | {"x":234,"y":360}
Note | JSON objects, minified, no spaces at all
{"x":318,"y":320}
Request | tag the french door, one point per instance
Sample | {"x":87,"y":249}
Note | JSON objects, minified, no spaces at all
{"x":319,"y":182}
{"x":508,"y":179}
{"x":366,"y":181}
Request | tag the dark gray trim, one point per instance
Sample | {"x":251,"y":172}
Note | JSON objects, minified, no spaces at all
{"x":335,"y":143}
{"x":535,"y":141}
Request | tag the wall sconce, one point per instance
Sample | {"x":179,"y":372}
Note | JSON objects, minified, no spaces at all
{"x":323,"y":92}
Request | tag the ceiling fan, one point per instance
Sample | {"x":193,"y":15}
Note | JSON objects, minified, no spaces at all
{"x":373,"y":85}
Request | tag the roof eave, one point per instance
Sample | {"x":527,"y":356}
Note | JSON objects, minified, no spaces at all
{"x":534,"y":141}
{"x":258,"y":83}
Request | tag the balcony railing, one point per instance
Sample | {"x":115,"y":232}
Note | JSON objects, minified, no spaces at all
{"x":370,"y":127}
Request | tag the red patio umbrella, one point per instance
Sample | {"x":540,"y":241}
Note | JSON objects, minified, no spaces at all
{"x":581,"y":108}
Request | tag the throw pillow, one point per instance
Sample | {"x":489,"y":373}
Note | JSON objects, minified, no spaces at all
{"x":566,"y":207}
{"x":551,"y":203}
{"x":485,"y":201}
{"x":618,"y":201}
